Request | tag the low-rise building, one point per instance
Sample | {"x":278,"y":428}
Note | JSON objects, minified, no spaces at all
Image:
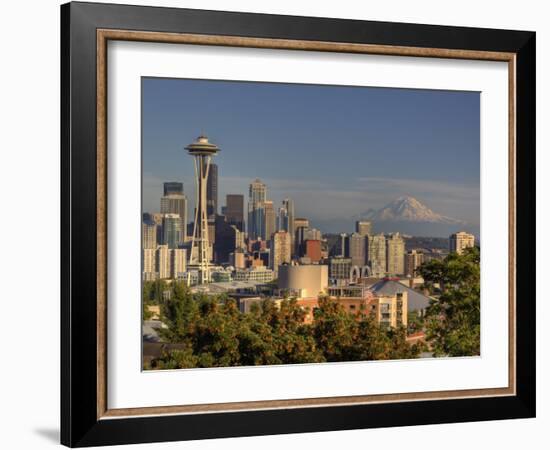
{"x":257,"y":273}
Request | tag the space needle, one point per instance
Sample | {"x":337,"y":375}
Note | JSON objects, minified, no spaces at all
{"x":202,"y":150}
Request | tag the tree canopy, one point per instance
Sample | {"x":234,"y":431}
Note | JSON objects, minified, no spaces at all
{"x":212,"y":332}
{"x":453,"y":319}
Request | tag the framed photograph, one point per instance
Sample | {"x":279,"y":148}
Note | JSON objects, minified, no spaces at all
{"x":276,"y":224}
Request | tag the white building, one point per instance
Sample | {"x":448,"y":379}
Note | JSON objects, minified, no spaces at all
{"x":163,"y":263}
{"x":395,"y":255}
{"x":460,"y":241}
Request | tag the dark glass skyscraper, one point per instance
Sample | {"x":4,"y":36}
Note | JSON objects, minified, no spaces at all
{"x":257,"y":195}
{"x":212,"y":191}
{"x":173,"y":188}
{"x":234,"y":210}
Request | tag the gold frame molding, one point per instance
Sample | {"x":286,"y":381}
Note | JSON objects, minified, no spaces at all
{"x":104,"y":35}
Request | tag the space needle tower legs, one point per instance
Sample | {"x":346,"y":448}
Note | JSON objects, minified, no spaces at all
{"x":202,"y":150}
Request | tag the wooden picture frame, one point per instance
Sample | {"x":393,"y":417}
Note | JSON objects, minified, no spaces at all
{"x":86,"y":418}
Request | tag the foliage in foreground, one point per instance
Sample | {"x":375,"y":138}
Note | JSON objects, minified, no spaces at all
{"x":453,"y":320}
{"x":212,"y":332}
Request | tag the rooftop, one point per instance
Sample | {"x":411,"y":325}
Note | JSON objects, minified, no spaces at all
{"x":388,"y":286}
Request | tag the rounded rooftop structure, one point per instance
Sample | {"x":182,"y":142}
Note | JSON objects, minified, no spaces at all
{"x":201,"y":146}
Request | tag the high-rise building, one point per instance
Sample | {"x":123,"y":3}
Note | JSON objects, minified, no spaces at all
{"x":173,"y":188}
{"x":157,"y":218}
{"x":163,"y":263}
{"x":282,"y":219}
{"x":148,"y":264}
{"x":358,"y":249}
{"x":460,"y":241}
{"x":300,"y":226}
{"x":313,"y":234}
{"x":202,"y":151}
{"x":269,"y":222}
{"x":149,"y":234}
{"x":340,"y":268}
{"x":178,"y":262}
{"x":172,"y":235}
{"x":212,"y":191}
{"x":312,"y":249}
{"x":257,"y":194}
{"x":175,"y":203}
{"x":288,"y":206}
{"x":413,"y":260}
{"x":234,"y":210}
{"x":395,"y":255}
{"x":363,"y":227}
{"x":279,"y":250}
{"x":343,"y":246}
{"x":228,"y":239}
{"x":377,"y":255}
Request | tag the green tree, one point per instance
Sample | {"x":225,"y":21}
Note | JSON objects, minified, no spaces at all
{"x":179,"y":314}
{"x":453,"y":320}
{"x":212,"y":332}
{"x":334,"y":330}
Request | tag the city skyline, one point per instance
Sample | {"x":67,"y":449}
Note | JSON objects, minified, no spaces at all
{"x":303,"y":166}
{"x":324,"y":178}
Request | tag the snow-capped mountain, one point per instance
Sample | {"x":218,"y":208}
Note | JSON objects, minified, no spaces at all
{"x":408,"y":209}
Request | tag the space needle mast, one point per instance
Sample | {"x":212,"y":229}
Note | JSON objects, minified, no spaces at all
{"x":202,"y":151}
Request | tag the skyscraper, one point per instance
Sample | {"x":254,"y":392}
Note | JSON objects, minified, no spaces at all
{"x":175,"y":203}
{"x":300,"y":226}
{"x":279,"y":252}
{"x":358,"y":249}
{"x":173,"y":188}
{"x":288,"y":206}
{"x":202,"y":151}
{"x":282,"y":219}
{"x":395,"y":255}
{"x":257,"y":194}
{"x":228,"y":239}
{"x":212,"y":191}
{"x":269,"y":222}
{"x":234,"y":210}
{"x":149,"y":234}
{"x":377,"y":255}
{"x":172,"y":235}
{"x":363,"y":227}
{"x":460,"y":241}
{"x":343,"y":245}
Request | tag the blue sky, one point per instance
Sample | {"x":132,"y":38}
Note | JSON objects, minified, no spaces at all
{"x":336,"y":150}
